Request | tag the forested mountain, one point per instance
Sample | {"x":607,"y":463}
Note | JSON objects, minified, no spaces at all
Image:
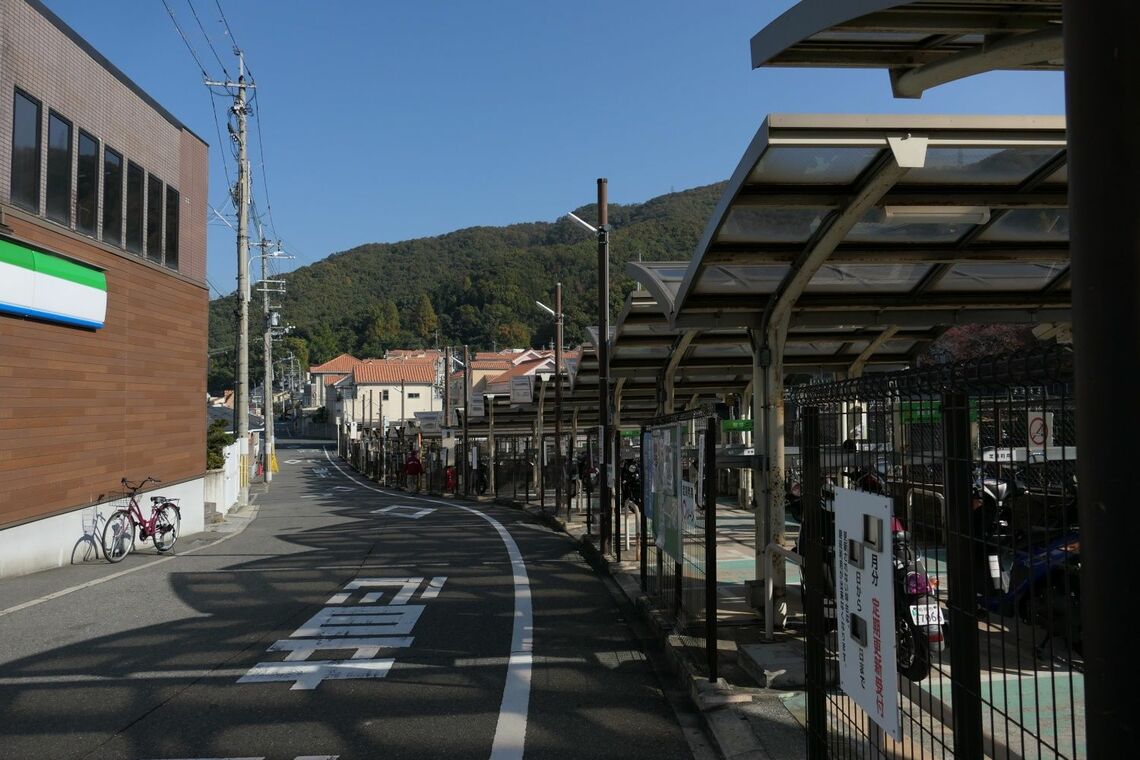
{"x":474,"y":286}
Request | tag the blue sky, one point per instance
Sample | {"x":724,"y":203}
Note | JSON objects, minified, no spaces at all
{"x":383,"y":121}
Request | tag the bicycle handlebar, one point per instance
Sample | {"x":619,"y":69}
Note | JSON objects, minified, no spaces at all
{"x":138,"y":486}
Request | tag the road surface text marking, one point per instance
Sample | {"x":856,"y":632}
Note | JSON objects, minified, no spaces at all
{"x":352,"y":621}
{"x":510,"y":731}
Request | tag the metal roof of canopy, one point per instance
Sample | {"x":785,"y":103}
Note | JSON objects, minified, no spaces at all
{"x":922,"y":43}
{"x":882,"y":222}
{"x":720,"y":359}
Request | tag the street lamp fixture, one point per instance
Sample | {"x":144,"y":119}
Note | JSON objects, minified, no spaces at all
{"x":582,"y":222}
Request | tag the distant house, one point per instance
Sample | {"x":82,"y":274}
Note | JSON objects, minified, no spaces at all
{"x":321,"y":374}
{"x":378,"y":389}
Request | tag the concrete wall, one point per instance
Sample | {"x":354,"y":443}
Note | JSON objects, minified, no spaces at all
{"x":72,"y":537}
{"x":221,"y":486}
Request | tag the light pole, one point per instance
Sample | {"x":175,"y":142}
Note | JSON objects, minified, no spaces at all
{"x":556,"y":312}
{"x":603,"y":234}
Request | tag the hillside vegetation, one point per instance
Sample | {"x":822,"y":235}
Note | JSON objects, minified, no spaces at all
{"x":474,"y":286}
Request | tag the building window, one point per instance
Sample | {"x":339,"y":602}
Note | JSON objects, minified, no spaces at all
{"x":413,"y":395}
{"x":154,"y":218}
{"x":59,"y":169}
{"x":26,"y":152}
{"x":134,"y":207}
{"x":87,"y":185}
{"x":172,"y":209}
{"x":384,"y":395}
{"x":112,"y":197}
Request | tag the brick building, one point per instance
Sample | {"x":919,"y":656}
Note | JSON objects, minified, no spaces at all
{"x":103,"y":300}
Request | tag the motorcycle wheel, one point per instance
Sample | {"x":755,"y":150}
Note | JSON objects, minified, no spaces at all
{"x":912,"y":651}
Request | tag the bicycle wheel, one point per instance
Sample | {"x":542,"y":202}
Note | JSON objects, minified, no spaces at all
{"x":166,"y":525}
{"x":118,"y":535}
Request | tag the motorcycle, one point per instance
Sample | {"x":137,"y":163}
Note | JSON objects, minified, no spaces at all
{"x":631,"y":482}
{"x":919,"y":619}
{"x":1031,"y":572}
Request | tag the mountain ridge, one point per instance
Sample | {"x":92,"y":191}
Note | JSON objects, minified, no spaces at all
{"x":475,"y":285}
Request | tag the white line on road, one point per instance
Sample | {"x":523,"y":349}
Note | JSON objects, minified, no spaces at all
{"x":510,"y":732}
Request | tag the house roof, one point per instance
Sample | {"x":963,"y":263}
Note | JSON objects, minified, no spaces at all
{"x":334,"y":379}
{"x":485,"y":364}
{"x":389,"y":371}
{"x":519,"y":370}
{"x":341,"y":364}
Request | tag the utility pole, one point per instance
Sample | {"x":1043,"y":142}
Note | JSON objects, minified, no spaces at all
{"x":241,"y":202}
{"x":558,"y":401}
{"x":267,"y":381}
{"x":606,"y":485}
{"x":466,"y":414}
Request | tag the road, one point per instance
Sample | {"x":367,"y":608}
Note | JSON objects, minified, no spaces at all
{"x":341,"y":621}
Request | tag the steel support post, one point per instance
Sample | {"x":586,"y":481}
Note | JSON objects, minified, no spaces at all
{"x":811,"y":546}
{"x":605,"y":484}
{"x":1102,"y":93}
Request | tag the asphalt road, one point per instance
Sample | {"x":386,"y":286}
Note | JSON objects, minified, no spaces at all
{"x":413,"y":628}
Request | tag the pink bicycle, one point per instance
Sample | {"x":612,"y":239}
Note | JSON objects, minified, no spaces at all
{"x":161,"y":528}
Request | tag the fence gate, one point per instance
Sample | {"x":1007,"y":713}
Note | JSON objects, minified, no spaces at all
{"x":948,"y":624}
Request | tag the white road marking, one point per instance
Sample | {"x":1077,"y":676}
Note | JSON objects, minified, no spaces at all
{"x":340,"y":598}
{"x":308,"y":675}
{"x":433,"y":589}
{"x":293,"y":461}
{"x":361,"y":621}
{"x":510,"y":732}
{"x":407,"y":586}
{"x":398,"y":510}
{"x":366,"y":649}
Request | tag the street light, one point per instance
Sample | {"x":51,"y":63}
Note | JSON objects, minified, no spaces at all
{"x":602,"y":231}
{"x":556,"y":312}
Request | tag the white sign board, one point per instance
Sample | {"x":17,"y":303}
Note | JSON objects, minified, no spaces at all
{"x":475,"y":407}
{"x":522,"y":389}
{"x":429,"y":421}
{"x":1040,"y":428}
{"x":865,"y":605}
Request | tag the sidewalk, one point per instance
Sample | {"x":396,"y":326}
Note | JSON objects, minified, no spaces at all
{"x":745,"y":720}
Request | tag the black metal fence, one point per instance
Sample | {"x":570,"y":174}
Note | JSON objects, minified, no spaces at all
{"x":677,"y":534}
{"x":978,"y":592}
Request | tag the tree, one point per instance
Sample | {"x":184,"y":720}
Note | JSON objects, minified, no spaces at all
{"x":426,"y":322}
{"x":322,"y":344}
{"x":381,"y":329}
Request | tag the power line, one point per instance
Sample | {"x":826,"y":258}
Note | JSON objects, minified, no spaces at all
{"x":217,"y":57}
{"x":189,"y":47}
{"x":264,"y":171}
{"x":228,"y":30}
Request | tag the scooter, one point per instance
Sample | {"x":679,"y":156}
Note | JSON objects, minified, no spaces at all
{"x":1032,"y":573}
{"x":631,"y":482}
{"x":919,"y":619}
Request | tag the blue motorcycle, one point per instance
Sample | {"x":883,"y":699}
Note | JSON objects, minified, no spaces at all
{"x":1032,"y":572}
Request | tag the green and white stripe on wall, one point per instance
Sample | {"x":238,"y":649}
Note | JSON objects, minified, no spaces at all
{"x":43,"y":286}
